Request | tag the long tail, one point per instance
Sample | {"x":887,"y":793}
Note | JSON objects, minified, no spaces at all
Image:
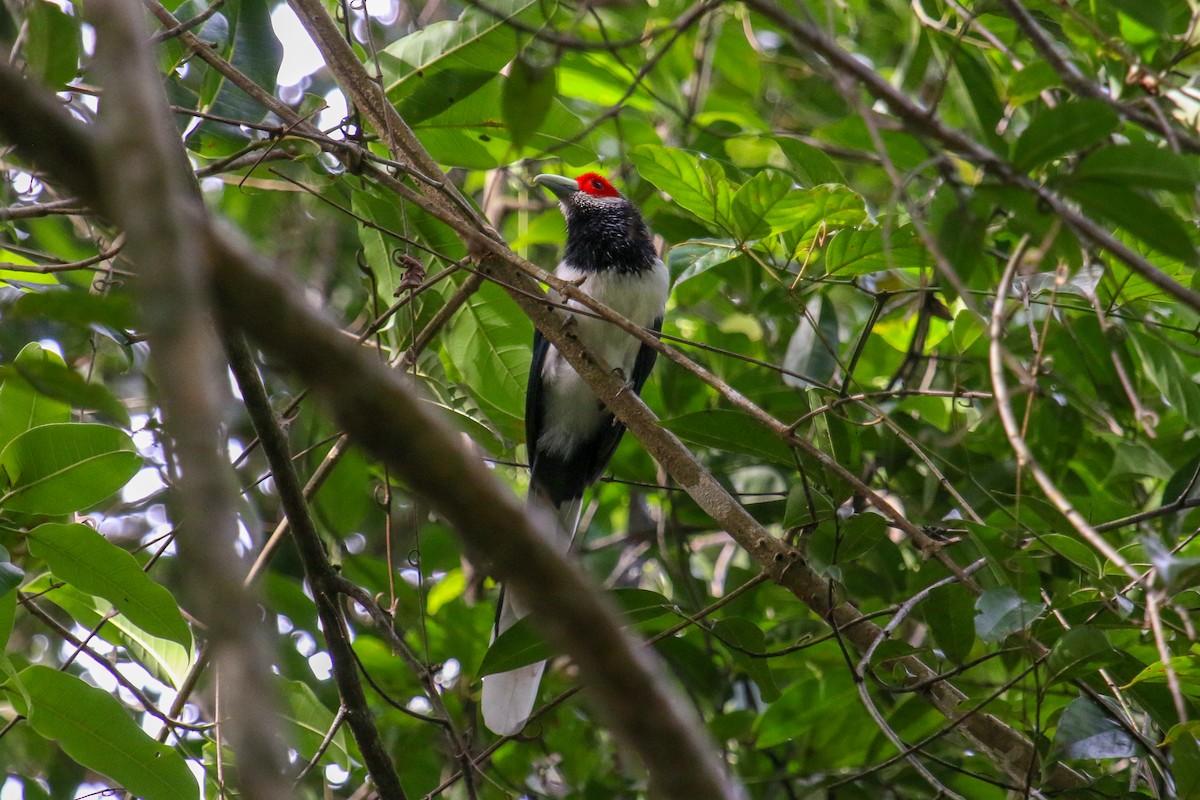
{"x":508,"y":697}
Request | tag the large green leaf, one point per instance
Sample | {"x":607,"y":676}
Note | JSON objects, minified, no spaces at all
{"x":310,"y":722}
{"x":747,"y":645}
{"x":695,"y":183}
{"x":53,"y":44}
{"x":489,"y":345}
{"x":859,"y":251}
{"x":527,"y":98}
{"x":52,"y":378}
{"x":1064,"y":129}
{"x":1141,"y":166}
{"x":427,"y":72}
{"x":950,"y":613}
{"x":10,"y":574}
{"x":730,"y":431}
{"x":168,"y":661}
{"x":1080,"y":652}
{"x":96,"y":731}
{"x":83,"y":558}
{"x":1154,"y":224}
{"x":521,"y":645}
{"x":245,"y":38}
{"x":471,"y":133}
{"x":1002,"y":612}
{"x":21,"y":406}
{"x":1086,"y":731}
{"x":65,"y":467}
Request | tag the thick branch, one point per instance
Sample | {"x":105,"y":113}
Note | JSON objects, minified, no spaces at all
{"x":147,"y":189}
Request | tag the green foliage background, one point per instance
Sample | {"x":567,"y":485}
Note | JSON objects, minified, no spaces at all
{"x":835,"y":264}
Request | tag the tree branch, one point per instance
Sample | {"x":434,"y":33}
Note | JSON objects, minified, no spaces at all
{"x":144,"y":182}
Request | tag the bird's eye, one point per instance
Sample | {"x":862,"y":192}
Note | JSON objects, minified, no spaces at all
{"x":597,"y":184}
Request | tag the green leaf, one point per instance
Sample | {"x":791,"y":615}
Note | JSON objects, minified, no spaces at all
{"x":1063,"y":129}
{"x":83,"y":558}
{"x":527,"y":97}
{"x":1141,"y":165}
{"x":1080,"y":652}
{"x":861,"y":534}
{"x":1185,"y":763}
{"x":21,"y":406}
{"x":10,"y":574}
{"x":472,"y":133}
{"x":745,"y":642}
{"x":77,"y":308}
{"x":808,"y":215}
{"x":754,"y":200}
{"x":8,"y":614}
{"x":695,"y":183}
{"x":246,"y":39}
{"x":641,"y":605}
{"x":167,"y":660}
{"x":860,"y":252}
{"x":1085,"y":731}
{"x":797,"y":511}
{"x":516,"y":647}
{"x":66,"y":467}
{"x":950,"y":613}
{"x":97,"y":732}
{"x":489,"y":345}
{"x":19,"y":278}
{"x":1002,"y":612}
{"x":698,"y":256}
{"x":54,"y":379}
{"x":310,"y":721}
{"x":1174,"y":572}
{"x":1163,"y":367}
{"x":1031,"y":81}
{"x":811,"y":357}
{"x":730,"y":431}
{"x":805,"y":705}
{"x":811,"y":166}
{"x":1150,"y":13}
{"x":446,"y":590}
{"x":521,"y":645}
{"x":1152,"y":223}
{"x":53,"y":45}
{"x":427,"y":72}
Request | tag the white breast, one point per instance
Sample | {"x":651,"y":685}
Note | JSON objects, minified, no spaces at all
{"x":572,"y":410}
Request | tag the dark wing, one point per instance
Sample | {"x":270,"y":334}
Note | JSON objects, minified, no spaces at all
{"x":564,"y":478}
{"x":535,"y":405}
{"x":604,"y":444}
{"x":645,"y":360}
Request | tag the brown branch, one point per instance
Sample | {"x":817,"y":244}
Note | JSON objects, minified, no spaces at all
{"x":319,"y":573}
{"x":146,"y":186}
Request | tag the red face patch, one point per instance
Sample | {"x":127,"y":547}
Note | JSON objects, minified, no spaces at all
{"x":595,"y":185}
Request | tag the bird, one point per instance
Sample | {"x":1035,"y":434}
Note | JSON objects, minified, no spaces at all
{"x":570,"y":435}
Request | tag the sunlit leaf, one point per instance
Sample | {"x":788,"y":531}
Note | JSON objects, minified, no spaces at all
{"x":82,"y":557}
{"x":65,"y":467}
{"x":94,"y":730}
